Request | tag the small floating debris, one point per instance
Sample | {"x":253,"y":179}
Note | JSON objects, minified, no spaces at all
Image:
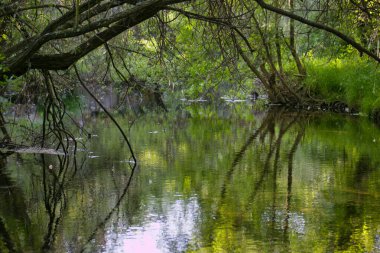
{"x":153,"y":132}
{"x":75,"y":139}
{"x":127,"y":161}
{"x":93,"y":156}
{"x":199,"y":100}
{"x":233,"y":100}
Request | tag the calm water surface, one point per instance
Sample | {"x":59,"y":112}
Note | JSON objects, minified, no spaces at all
{"x":208,"y":180}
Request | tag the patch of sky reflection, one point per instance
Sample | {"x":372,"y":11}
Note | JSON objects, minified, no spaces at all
{"x":377,"y":242}
{"x":296,"y":221}
{"x":170,"y":231}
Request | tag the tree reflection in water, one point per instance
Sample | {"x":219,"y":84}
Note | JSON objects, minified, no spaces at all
{"x":55,"y":178}
{"x":7,"y":191}
{"x":209,"y":182}
{"x":50,"y":184}
{"x":270,"y":140}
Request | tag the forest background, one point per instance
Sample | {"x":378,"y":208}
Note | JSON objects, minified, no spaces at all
{"x":306,"y":54}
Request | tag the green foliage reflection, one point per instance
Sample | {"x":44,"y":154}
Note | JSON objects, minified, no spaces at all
{"x":209,"y":180}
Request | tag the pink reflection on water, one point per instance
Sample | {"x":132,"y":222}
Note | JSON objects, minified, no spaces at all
{"x":170,"y":231}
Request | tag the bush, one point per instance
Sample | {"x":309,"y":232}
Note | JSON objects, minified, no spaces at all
{"x":354,"y":81}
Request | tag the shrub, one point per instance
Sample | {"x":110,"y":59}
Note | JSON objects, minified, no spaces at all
{"x":353,"y":80}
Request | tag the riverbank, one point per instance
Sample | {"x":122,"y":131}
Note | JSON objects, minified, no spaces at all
{"x":352,"y":82}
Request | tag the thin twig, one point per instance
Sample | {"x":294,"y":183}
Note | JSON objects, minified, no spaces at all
{"x":108,"y":114}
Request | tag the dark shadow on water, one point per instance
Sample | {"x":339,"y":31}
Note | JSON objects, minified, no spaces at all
{"x":13,"y":201}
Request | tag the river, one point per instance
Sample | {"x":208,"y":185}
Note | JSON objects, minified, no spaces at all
{"x":208,"y":179}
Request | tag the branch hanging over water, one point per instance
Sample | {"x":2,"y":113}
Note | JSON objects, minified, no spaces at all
{"x":213,"y":20}
{"x":109,"y":115}
{"x":54,"y":112}
{"x":326,"y":28}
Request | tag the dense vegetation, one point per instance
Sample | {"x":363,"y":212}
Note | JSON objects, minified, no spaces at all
{"x":312,"y":54}
{"x":274,"y":181}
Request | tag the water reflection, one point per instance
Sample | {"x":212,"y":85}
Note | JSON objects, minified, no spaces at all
{"x":54,"y":179}
{"x":171,"y":233}
{"x":225,"y":180}
{"x":8,"y":194}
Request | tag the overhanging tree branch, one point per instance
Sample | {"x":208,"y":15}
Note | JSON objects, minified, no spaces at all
{"x":212,"y":20}
{"x":326,"y":28}
{"x":29,"y":58}
{"x":14,"y":9}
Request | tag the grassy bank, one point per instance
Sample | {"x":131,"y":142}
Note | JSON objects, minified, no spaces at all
{"x":354,"y":81}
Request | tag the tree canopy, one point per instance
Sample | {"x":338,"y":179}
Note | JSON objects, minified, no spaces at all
{"x":50,"y":36}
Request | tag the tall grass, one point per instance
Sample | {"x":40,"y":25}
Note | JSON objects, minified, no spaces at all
{"x":354,"y":81}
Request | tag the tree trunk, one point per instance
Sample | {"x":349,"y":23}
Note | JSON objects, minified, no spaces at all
{"x":6,"y":136}
{"x":292,"y":42}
